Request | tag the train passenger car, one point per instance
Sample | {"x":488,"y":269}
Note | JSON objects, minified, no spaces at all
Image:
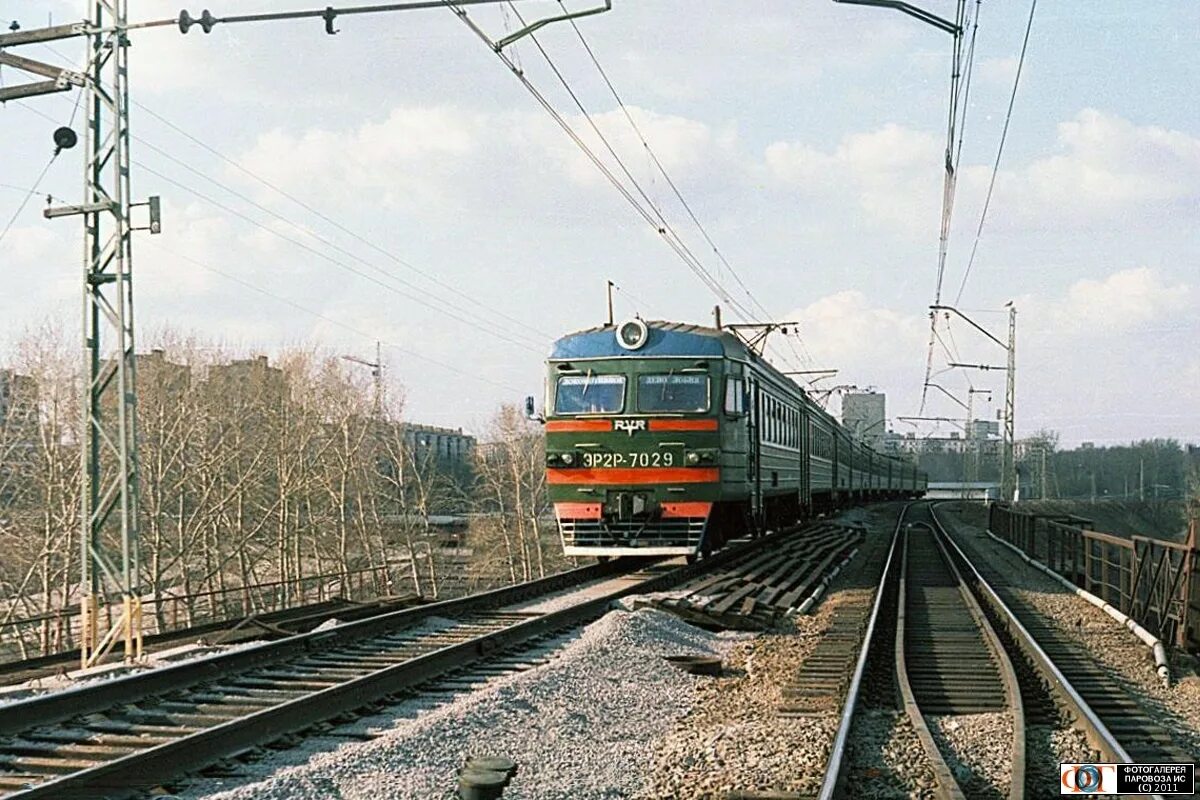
{"x":665,"y":439}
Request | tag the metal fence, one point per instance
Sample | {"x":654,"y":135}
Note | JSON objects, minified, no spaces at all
{"x":1151,"y":580}
{"x":58,"y":631}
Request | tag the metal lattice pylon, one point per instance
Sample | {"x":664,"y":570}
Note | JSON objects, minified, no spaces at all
{"x":109,"y":460}
{"x":1008,"y":468}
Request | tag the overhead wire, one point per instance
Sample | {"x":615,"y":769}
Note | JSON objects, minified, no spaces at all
{"x":663,"y":227}
{"x":25,"y":200}
{"x":446,"y":308}
{"x":960,"y":83}
{"x":338,"y":323}
{"x":323,"y":240}
{"x":653,"y":217}
{"x":337,"y":225}
{"x":42,"y":175}
{"x":657,"y":162}
{"x":999,"y":152}
{"x":325,"y":256}
{"x":486,"y":308}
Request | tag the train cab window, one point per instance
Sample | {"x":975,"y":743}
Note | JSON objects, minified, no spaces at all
{"x":590,"y":394}
{"x":676,"y":393}
{"x":735,"y":396}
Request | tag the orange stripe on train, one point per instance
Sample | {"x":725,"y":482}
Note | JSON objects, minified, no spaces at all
{"x":686,"y":509}
{"x":638,"y":475}
{"x":683,"y":424}
{"x":578,"y":425}
{"x":577,"y":510}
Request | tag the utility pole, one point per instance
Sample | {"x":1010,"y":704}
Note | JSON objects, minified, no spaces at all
{"x":1010,"y":400}
{"x":376,"y":368}
{"x":109,"y":555}
{"x":108,"y":457}
{"x":973,"y":441}
{"x":1007,"y":466}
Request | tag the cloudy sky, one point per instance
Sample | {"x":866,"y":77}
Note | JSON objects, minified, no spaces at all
{"x":397,"y":182}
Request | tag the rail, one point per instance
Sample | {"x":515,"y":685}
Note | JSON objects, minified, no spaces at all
{"x":837,"y":754}
{"x":204,"y":709}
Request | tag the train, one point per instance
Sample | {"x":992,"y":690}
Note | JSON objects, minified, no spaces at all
{"x":669,"y":439}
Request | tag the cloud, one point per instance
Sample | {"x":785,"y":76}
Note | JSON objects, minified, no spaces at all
{"x":1106,"y":169}
{"x":402,"y":160}
{"x":891,"y":173}
{"x":998,"y":71}
{"x":1078,"y":350}
{"x":1122,"y":301}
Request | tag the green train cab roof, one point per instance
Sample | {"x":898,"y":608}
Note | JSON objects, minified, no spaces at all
{"x":650,"y":339}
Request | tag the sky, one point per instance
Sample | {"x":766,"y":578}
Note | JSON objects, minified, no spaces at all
{"x":396,"y":182}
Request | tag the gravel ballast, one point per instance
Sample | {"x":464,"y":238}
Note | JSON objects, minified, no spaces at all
{"x":978,"y":750}
{"x":580,"y":726}
{"x":734,"y":738}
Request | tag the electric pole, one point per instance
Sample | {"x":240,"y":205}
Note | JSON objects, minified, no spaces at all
{"x":108,"y":455}
{"x":376,"y":368}
{"x":1010,"y":385}
{"x":109,"y":555}
{"x":1007,"y":465}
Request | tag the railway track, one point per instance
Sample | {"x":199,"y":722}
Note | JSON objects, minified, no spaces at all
{"x":949,"y":662}
{"x":949,"y":637}
{"x":1115,"y":722}
{"x":142,"y":731}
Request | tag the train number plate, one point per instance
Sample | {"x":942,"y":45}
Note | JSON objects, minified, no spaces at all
{"x":614,"y":459}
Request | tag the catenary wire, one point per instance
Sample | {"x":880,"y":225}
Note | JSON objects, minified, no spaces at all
{"x":312,"y":210}
{"x":960,"y":84}
{"x":999,"y":153}
{"x":25,"y":201}
{"x":791,"y":343}
{"x":425,"y":301}
{"x":664,"y":227}
{"x":316,"y":212}
{"x":325,"y":256}
{"x":344,"y":326}
{"x":311,"y":234}
{"x":696,"y":268}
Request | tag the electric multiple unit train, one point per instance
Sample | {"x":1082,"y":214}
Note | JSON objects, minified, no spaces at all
{"x":668,"y":439}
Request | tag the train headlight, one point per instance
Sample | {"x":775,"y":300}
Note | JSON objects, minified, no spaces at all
{"x":568,"y":458}
{"x":693,"y":458}
{"x":632,"y":334}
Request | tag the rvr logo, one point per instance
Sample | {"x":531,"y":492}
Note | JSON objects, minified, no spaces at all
{"x":629,"y":425}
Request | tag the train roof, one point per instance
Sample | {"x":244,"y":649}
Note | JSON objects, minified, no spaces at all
{"x":665,"y":339}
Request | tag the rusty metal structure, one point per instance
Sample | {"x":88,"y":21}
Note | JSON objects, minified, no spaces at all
{"x":1154,"y":581}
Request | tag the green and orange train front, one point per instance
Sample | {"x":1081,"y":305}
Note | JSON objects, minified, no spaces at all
{"x":633,"y":439}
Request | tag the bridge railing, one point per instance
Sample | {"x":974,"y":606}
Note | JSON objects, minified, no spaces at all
{"x":57,"y":631}
{"x":1154,"y":581}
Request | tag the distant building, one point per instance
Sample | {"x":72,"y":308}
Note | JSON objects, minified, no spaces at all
{"x":155,"y":372}
{"x":449,"y":448}
{"x":983,"y":429}
{"x":864,"y":415}
{"x":250,"y":378}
